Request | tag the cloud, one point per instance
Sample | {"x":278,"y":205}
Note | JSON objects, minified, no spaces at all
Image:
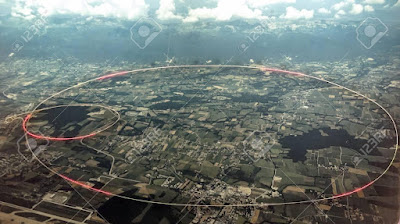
{"x":350,"y":6}
{"x":324,"y":11}
{"x":342,"y":4}
{"x":356,"y":9}
{"x":218,"y":10}
{"x":225,"y":10}
{"x":368,"y":8}
{"x":293,"y":13}
{"x":340,"y":13}
{"x":228,"y":9}
{"x":374,"y":2}
{"x":23,"y":12}
{"x":262,"y":3}
{"x":167,"y":10}
{"x":339,"y":5}
{"x":127,"y":9}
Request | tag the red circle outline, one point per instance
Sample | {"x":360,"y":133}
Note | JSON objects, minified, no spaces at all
{"x":29,"y":116}
{"x":265,"y":69}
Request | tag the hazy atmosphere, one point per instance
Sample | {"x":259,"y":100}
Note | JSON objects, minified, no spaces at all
{"x":185,"y":111}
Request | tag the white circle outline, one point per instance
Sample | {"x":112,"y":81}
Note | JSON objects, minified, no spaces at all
{"x":233,"y":205}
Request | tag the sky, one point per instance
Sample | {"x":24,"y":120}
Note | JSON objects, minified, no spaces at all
{"x":191,"y":11}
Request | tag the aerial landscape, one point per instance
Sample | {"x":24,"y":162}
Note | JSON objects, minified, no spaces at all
{"x":171,"y":119}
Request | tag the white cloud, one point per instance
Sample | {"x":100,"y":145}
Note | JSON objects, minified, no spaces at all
{"x":222,"y":10}
{"x":167,"y":10}
{"x":324,"y":11}
{"x":262,"y":3}
{"x":342,"y":4}
{"x":351,"y":7}
{"x":197,"y":14}
{"x":339,"y":5}
{"x":368,"y":8}
{"x":340,"y":13}
{"x":374,"y":1}
{"x":225,"y":10}
{"x":293,"y":13}
{"x":20,"y":11}
{"x":356,"y":9}
{"x":127,"y":9}
{"x":397,"y":4}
